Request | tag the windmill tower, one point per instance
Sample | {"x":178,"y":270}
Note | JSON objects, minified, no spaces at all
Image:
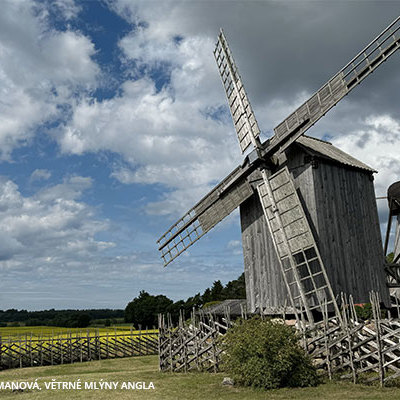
{"x":393,"y":270}
{"x":393,"y":196}
{"x":397,"y":241}
{"x":286,"y":204}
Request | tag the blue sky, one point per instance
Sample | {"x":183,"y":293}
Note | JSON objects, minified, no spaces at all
{"x":113,"y":123}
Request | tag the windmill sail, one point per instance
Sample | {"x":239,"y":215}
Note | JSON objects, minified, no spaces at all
{"x":235,"y":188}
{"x":362,"y":65}
{"x":302,"y":268}
{"x":243,"y":116}
{"x":215,"y":206}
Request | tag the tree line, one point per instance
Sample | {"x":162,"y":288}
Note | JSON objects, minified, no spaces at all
{"x":143,"y":310}
{"x":52,"y":317}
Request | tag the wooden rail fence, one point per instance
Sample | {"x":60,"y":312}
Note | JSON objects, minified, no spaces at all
{"x":29,"y":352}
{"x":345,"y":347}
{"x":352,"y":348}
{"x":191,"y":346}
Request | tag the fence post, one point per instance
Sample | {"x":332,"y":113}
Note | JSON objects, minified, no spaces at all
{"x":140,"y":339}
{"x":326,"y":340}
{"x":41,"y":349}
{"x":80,"y":346}
{"x":70,"y":347}
{"x":89,"y":350}
{"x":51,"y":350}
{"x":117,"y":353}
{"x":108,"y":355}
{"x":9,"y":354}
{"x":159,"y":341}
{"x":30,"y":350}
{"x":169,"y":322}
{"x":20,"y":352}
{"x":374,"y":298}
{"x":346,"y":311}
{"x":99,"y":343}
{"x":60,"y":339}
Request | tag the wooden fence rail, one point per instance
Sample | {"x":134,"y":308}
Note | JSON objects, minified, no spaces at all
{"x":191,"y":345}
{"x":343,"y":346}
{"x":351,"y":348}
{"x":30,"y":352}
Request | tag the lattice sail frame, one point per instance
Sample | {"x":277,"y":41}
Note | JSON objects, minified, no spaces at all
{"x":192,"y":226}
{"x":244,"y":120}
{"x":362,"y":65}
{"x":214,"y":207}
{"x":301,"y":264}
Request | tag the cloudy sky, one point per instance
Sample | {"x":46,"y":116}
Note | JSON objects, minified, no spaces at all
{"x":113,"y":122}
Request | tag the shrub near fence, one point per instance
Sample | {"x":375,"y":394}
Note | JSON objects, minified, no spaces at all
{"x":29,"y":352}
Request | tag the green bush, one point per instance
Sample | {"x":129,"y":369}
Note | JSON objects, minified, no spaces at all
{"x":266,"y":354}
{"x":364,"y":311}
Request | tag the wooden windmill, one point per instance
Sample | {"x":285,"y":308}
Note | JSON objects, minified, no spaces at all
{"x":284,"y":228}
{"x":393,"y":269}
{"x":393,"y":196}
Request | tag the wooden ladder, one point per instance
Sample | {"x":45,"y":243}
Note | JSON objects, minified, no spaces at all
{"x":303,"y":270}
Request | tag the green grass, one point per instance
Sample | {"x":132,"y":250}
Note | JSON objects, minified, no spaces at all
{"x":169,"y":386}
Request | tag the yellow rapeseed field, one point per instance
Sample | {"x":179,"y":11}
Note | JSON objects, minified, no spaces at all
{"x":37,"y":332}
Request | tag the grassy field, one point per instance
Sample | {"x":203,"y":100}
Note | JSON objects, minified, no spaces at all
{"x":36,"y":332}
{"x":168,"y":386}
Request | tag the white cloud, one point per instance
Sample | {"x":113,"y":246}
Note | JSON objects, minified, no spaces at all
{"x":165,"y":131}
{"x":235,"y":246}
{"x":165,"y":136}
{"x":376,"y":143}
{"x":51,"y":225}
{"x":68,"y":8}
{"x":177,"y":202}
{"x":71,"y":189}
{"x":40,"y":174}
{"x":40,"y":70}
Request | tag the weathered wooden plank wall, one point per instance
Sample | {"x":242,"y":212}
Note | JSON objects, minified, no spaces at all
{"x":264,"y":281}
{"x":348,"y":232}
{"x":340,"y":206}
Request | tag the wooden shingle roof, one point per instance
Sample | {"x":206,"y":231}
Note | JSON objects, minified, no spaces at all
{"x":327,"y":150}
{"x":233,"y":306}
